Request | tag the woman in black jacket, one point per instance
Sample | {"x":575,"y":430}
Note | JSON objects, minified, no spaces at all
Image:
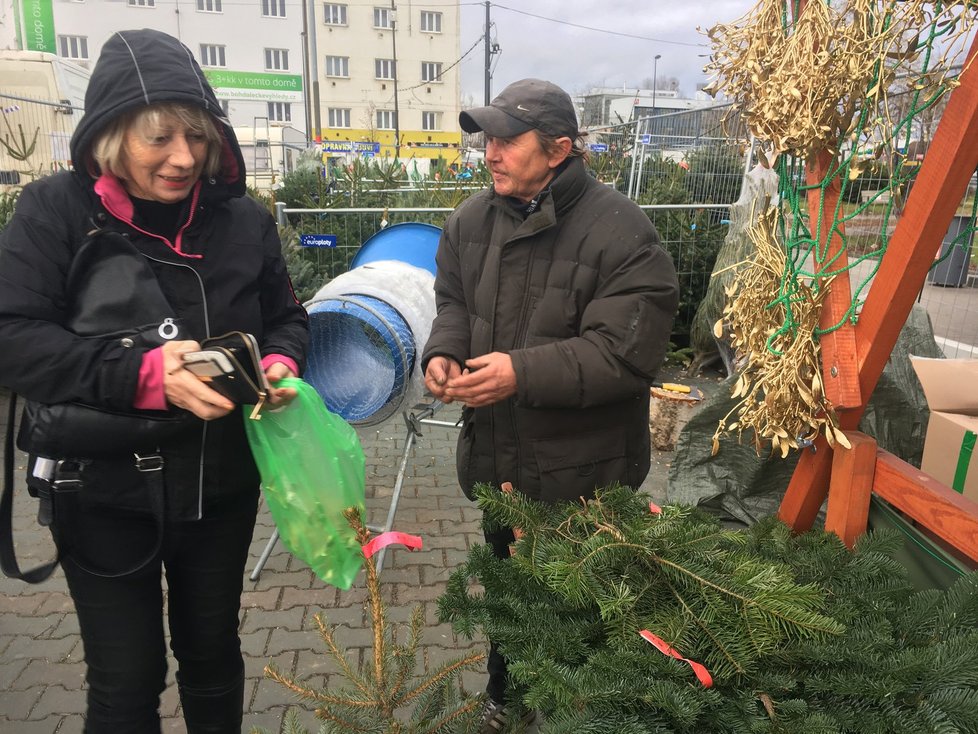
{"x":151,"y":232}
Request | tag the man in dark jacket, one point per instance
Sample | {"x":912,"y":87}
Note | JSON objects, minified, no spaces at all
{"x":555,"y":304}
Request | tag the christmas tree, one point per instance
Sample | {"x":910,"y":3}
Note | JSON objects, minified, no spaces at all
{"x":388,"y":696}
{"x":799,"y":634}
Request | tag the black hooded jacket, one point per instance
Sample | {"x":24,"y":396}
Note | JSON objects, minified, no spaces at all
{"x":222,"y":271}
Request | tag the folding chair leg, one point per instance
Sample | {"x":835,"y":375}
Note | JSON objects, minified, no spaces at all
{"x":264,"y":555}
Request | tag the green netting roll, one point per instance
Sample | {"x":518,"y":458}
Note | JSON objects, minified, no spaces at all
{"x":312,"y":469}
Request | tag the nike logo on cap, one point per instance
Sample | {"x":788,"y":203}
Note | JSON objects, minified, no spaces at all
{"x":521,"y":107}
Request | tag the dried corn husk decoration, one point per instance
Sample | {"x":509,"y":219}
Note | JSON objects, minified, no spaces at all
{"x":805,"y":87}
{"x":780,"y":394}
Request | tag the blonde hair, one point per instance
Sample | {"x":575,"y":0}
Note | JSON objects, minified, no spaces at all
{"x":108,"y":149}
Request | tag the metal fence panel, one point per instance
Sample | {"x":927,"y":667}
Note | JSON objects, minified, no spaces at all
{"x":34,"y":137}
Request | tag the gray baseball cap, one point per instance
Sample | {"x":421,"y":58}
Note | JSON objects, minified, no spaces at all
{"x":524,"y":105}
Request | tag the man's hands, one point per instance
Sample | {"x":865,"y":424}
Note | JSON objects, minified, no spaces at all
{"x":486,"y":380}
{"x":440,"y":371}
{"x":185,"y":390}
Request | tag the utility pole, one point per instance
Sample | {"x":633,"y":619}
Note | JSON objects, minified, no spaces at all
{"x":397,"y":122}
{"x":488,"y":59}
{"x":317,"y":130}
{"x":306,"y":88}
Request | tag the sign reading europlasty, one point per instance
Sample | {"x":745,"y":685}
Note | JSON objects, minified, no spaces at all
{"x":255,"y":85}
{"x":38,"y":24}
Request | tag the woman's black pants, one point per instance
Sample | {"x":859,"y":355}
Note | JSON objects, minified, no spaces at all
{"x":121,"y":619}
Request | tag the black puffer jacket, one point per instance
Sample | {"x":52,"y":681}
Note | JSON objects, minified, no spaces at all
{"x":224,"y":271}
{"x":582,"y":297}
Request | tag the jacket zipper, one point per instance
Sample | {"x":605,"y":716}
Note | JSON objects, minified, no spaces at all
{"x":175,"y":246}
{"x":207,"y":333}
{"x":521,"y":329}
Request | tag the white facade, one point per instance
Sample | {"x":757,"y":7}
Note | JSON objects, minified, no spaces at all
{"x":356,"y":51}
{"x":251,"y":50}
{"x":386,"y":80}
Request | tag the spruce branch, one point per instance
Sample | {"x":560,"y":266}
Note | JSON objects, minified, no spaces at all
{"x":801,"y":635}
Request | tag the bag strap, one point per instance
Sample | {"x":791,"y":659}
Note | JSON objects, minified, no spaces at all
{"x":151,"y":470}
{"x":8,"y":556}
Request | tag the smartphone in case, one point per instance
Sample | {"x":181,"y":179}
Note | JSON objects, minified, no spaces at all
{"x":208,"y":364}
{"x":233,"y":369}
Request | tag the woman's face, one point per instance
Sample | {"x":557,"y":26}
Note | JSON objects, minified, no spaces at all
{"x":163,"y":162}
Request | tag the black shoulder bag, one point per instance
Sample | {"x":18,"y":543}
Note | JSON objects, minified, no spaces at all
{"x":111,"y":287}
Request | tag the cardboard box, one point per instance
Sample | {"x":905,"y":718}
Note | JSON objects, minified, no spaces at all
{"x":950,"y":453}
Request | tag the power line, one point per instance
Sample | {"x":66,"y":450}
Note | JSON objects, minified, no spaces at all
{"x":451,"y":66}
{"x":599,"y":30}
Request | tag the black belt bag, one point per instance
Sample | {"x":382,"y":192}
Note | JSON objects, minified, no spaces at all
{"x":58,"y":496}
{"x":114,"y":297}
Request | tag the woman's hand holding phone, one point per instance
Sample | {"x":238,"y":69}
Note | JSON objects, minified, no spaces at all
{"x":185,"y":389}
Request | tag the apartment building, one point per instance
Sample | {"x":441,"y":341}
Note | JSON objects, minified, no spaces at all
{"x":388,"y":78}
{"x":361,"y":78}
{"x":251,"y":50}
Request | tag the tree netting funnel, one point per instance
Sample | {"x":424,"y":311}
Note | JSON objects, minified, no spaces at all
{"x":366,"y":328}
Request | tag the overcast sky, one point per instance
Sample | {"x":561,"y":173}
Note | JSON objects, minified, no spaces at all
{"x":578,"y":44}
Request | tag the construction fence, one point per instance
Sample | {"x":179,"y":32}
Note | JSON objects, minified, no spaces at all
{"x":34,"y":137}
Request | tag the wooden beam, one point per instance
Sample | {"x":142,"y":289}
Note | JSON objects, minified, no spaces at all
{"x":840,"y":376}
{"x":937,"y":507}
{"x":950,"y":161}
{"x":840,"y":373}
{"x":853,"y":471}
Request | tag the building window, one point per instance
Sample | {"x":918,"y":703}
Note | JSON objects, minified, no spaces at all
{"x":339,"y":117}
{"x":334,"y":14}
{"x":386,"y":119}
{"x":142,"y":3}
{"x":338,"y":66}
{"x":280,"y":111}
{"x":273,"y":8}
{"x":384,"y":68}
{"x":73,"y":47}
{"x":430,"y":22}
{"x":209,"y":6}
{"x":431,"y":120}
{"x":212,"y":55}
{"x":430,"y":71}
{"x":383,"y":18}
{"x":277,"y":59}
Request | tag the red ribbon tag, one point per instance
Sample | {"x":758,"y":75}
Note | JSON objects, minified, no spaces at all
{"x":411,"y":542}
{"x":654,"y":508}
{"x":702,"y":674}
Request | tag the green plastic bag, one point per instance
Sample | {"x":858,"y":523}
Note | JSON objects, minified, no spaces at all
{"x":312,"y":469}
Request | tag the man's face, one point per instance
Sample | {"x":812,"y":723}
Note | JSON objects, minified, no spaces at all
{"x":519,"y":165}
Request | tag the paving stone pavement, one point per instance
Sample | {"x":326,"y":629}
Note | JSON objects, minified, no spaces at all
{"x":41,"y":657}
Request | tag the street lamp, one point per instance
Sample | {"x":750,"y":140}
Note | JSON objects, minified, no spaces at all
{"x":655,"y":78}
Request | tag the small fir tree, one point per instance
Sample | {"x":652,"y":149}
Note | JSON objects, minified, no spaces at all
{"x":801,"y":636}
{"x":388,"y":696}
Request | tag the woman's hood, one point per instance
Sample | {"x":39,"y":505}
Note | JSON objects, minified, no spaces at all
{"x":142,"y":67}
